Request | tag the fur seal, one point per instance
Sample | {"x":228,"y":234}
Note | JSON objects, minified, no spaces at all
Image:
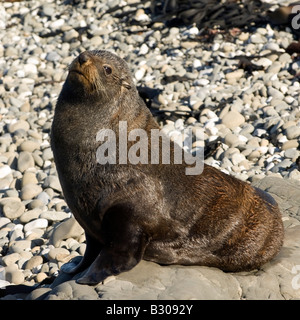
{"x":148,"y":211}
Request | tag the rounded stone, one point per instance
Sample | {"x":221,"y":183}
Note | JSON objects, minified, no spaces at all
{"x":36,"y":203}
{"x":13,"y":209}
{"x":19,"y":246}
{"x":293,"y":132}
{"x":29,"y":191}
{"x":10,"y":259}
{"x":5,"y":170}
{"x":44,"y":198}
{"x":254,"y":155}
{"x":30,"y":215}
{"x":54,"y":215}
{"x":290,"y":144}
{"x":52,"y":182}
{"x":237,"y":158}
{"x":33,"y":262}
{"x":231,"y":140}
{"x":39,"y":223}
{"x":17,"y":125}
{"x":39,"y":292}
{"x":70,"y":35}
{"x":69,"y":228}
{"x":291,"y":153}
{"x":29,"y":178}
{"x":40,"y":277}
{"x":53,"y":56}
{"x":54,"y":252}
{"x":234,"y":76}
{"x":14,"y":275}
{"x":4,"y":221}
{"x":25,"y":161}
{"x":47,"y":154}
{"x":275,"y":94}
{"x":233,"y":119}
{"x":29,"y":146}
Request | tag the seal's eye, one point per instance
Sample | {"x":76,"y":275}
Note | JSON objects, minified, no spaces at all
{"x":107,"y":70}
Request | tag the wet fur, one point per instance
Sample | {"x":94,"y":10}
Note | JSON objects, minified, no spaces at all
{"x":153,"y":212}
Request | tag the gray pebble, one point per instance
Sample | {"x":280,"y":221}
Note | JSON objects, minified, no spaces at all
{"x":17,"y":125}
{"x":19,"y":246}
{"x":29,"y":146}
{"x":29,"y":191}
{"x":52,"y":182}
{"x":293,"y":132}
{"x":66,"y":229}
{"x":291,"y":153}
{"x":70,"y":35}
{"x":10,"y":259}
{"x":36,"y":224}
{"x":47,"y":154}
{"x":36,"y":203}
{"x":231,"y":140}
{"x":54,"y":215}
{"x":16,"y":233}
{"x":13,"y":209}
{"x":38,"y":159}
{"x":29,"y":178}
{"x":290,"y":144}
{"x":257,"y":38}
{"x":48,"y":10}
{"x":25,"y":161}
{"x":275,"y":94}
{"x":53,"y":56}
{"x":30,"y":215}
{"x":4,"y":221}
{"x":275,"y":67}
{"x":5,"y":170}
{"x":14,"y":275}
{"x":233,"y":119}
{"x":33,"y":262}
{"x":43,"y":198}
{"x":282,"y":165}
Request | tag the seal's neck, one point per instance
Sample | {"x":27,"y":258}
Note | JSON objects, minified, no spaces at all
{"x":92,"y":113}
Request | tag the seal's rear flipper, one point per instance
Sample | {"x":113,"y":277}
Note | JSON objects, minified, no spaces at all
{"x":79,"y":264}
{"x":266,"y":196}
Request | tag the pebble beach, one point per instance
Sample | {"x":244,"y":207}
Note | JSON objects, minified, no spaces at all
{"x":250,"y":118}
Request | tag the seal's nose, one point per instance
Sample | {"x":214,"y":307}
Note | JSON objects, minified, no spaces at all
{"x":84,"y":57}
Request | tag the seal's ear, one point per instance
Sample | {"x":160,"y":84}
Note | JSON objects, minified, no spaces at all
{"x":125,"y":84}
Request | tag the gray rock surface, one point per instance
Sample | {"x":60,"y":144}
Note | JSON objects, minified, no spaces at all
{"x":279,"y":279}
{"x":286,"y":193}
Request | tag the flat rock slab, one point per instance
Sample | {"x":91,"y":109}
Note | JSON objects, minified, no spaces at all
{"x":278,"y":279}
{"x":285,"y":192}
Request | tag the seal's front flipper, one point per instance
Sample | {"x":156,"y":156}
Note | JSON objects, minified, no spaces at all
{"x":124,"y":247}
{"x":113,"y":261}
{"x":79,"y":264}
{"x":97,"y":272}
{"x":266,"y":196}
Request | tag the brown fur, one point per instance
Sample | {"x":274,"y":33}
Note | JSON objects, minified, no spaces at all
{"x":153,"y":212}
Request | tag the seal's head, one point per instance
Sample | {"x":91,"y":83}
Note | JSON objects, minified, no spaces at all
{"x":98,"y":73}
